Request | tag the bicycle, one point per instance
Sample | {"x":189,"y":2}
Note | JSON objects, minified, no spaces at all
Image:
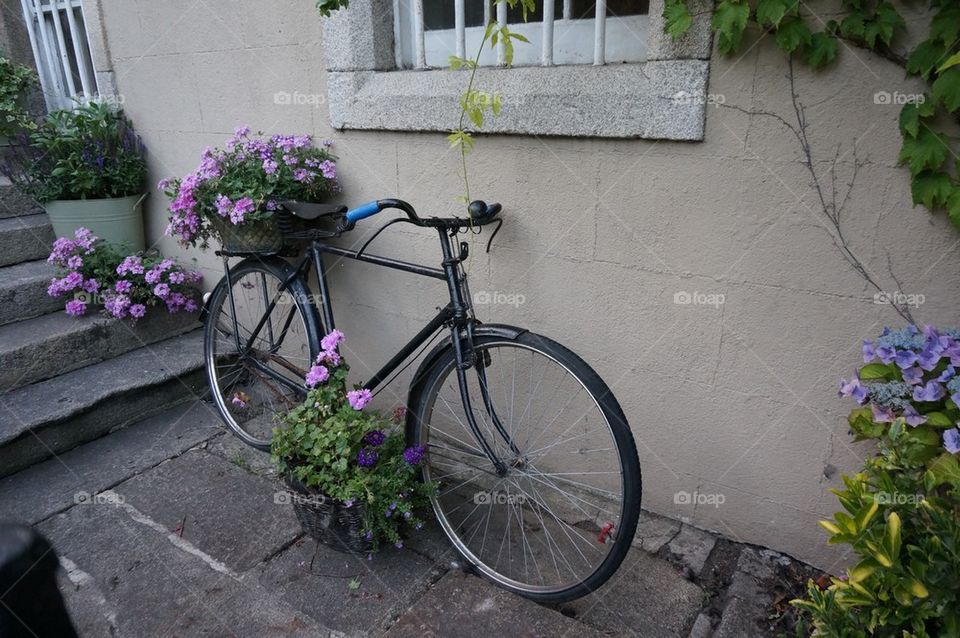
{"x":539,"y":479}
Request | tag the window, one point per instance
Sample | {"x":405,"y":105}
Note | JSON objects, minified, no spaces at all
{"x":58,"y":37}
{"x":387,"y":68}
{"x":570,"y":29}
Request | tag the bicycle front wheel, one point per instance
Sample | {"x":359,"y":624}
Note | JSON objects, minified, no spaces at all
{"x":256,"y":365}
{"x":559,"y":522}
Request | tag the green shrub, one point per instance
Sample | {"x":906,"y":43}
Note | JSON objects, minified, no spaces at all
{"x":901,"y":514}
{"x":15,"y":81}
{"x":91,"y":152}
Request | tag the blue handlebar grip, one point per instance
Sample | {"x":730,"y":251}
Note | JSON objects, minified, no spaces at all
{"x":361,"y":212}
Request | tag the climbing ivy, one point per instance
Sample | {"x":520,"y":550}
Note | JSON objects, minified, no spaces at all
{"x":928,"y":150}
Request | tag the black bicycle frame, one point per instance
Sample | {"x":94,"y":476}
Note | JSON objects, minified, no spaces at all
{"x":455,"y":315}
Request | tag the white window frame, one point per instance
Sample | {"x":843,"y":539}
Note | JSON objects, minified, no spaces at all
{"x":663,"y":97}
{"x":553,"y":41}
{"x":55,"y":58}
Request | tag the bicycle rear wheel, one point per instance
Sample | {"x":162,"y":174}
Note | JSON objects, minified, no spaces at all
{"x":255,"y":379}
{"x":558,"y":524}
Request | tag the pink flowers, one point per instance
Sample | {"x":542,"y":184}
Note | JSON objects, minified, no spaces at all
{"x":358,"y":399}
{"x":127,"y":287}
{"x":317,"y":375}
{"x":332,"y":341}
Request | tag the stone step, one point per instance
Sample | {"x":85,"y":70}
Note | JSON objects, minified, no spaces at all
{"x":44,"y":347}
{"x":23,"y":291}
{"x":53,"y":416}
{"x":13,"y":203}
{"x":25,"y":239}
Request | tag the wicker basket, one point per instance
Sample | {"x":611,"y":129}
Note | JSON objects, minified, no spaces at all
{"x":249,"y":237}
{"x":329,"y":521}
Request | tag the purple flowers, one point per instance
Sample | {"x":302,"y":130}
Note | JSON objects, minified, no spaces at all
{"x":951,"y":440}
{"x":931,"y":391}
{"x":375,"y":438}
{"x":854,"y":388}
{"x":414,"y":455}
{"x":131,"y":284}
{"x":366,"y":458}
{"x":331,"y":341}
{"x":358,"y":399}
{"x":317,"y":375}
{"x":76,"y":308}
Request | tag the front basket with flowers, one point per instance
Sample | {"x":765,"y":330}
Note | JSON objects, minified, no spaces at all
{"x":355,"y":485}
{"x":236,"y":191}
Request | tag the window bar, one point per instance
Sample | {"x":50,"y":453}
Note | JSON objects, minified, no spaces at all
{"x":35,"y":46}
{"x":78,"y":49}
{"x":419,"y":49}
{"x":486,"y":12}
{"x":600,"y":33}
{"x":547,"y":53}
{"x":62,"y":46}
{"x":53,"y":94}
{"x":502,"y":20}
{"x":567,"y":9}
{"x":460,"y":25}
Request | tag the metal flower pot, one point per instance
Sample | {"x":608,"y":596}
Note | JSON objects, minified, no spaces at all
{"x":118,"y":221}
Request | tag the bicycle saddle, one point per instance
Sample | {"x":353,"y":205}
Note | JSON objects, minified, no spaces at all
{"x":310,"y":211}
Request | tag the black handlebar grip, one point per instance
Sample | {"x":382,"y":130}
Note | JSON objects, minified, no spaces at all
{"x":480,"y":210}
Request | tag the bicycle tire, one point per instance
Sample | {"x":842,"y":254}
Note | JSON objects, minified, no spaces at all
{"x":307,"y":344}
{"x":422,"y":404}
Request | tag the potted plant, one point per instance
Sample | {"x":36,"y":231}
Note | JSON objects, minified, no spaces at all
{"x":354,"y":483}
{"x":87,"y":167}
{"x":94,"y":273}
{"x":15,"y":81}
{"x":235,"y":191}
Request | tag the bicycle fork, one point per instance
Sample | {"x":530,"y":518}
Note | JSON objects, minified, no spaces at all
{"x":466,"y":358}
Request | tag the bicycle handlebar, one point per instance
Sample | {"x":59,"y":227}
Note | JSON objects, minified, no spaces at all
{"x":479,"y":211}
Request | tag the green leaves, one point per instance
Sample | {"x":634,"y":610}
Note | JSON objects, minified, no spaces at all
{"x":946,"y":89}
{"x":461,"y":139}
{"x":821,"y":50}
{"x":793,"y":34}
{"x":944,"y":470}
{"x":925,"y":58}
{"x":771,"y":12}
{"x":927,"y":151}
{"x":677,"y":19}
{"x":729,"y":20}
{"x":874,"y":371}
{"x":931,"y":188}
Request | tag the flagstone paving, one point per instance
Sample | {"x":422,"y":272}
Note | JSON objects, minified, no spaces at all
{"x":171,"y":527}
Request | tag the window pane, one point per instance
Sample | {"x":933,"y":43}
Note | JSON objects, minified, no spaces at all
{"x":587,"y":9}
{"x":439,"y":14}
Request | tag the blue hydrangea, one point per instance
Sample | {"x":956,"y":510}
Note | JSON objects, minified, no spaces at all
{"x":893,"y":394}
{"x":909,"y":338}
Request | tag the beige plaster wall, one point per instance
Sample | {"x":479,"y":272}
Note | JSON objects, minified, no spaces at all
{"x":737,"y":399}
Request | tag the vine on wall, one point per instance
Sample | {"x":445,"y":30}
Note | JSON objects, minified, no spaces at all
{"x":929,"y":150}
